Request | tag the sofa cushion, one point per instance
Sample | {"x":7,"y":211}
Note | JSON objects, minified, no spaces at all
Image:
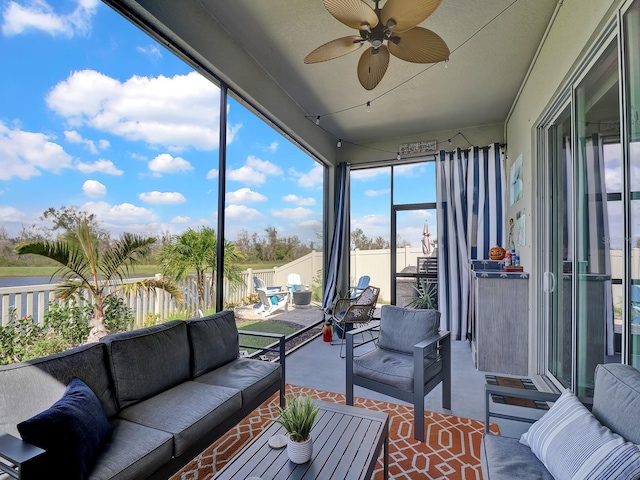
{"x":571,"y":443}
{"x":249,"y":376}
{"x":401,"y":328}
{"x":132,"y":452}
{"x":214,"y":341}
{"x":505,"y":458}
{"x":28,"y":388}
{"x":392,"y":368}
{"x":616,"y":399}
{"x":187,"y":411}
{"x":148,"y":361}
{"x":71,"y":431}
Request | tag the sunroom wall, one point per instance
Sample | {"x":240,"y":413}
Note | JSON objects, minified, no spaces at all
{"x":573,"y":30}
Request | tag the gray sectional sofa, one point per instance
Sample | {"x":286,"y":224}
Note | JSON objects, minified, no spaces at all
{"x":616,"y":403}
{"x":168,"y":391}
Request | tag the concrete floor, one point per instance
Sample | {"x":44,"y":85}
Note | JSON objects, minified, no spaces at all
{"x":318,"y":365}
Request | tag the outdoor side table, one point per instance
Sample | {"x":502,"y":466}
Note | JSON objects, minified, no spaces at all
{"x":347,"y":442}
{"x":14,"y":453}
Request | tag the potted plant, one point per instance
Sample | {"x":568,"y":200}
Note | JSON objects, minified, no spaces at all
{"x":297,"y":418}
{"x":427,"y":295}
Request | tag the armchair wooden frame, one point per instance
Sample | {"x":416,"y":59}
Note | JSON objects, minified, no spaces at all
{"x":421,"y":385}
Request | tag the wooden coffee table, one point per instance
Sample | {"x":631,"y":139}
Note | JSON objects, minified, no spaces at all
{"x":347,"y":442}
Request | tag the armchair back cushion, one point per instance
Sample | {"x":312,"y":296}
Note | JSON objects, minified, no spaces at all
{"x":214,"y":341}
{"x":616,"y":399}
{"x":401,"y":328}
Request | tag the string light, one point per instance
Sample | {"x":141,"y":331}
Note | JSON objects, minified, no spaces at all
{"x":318,"y":120}
{"x":449,"y":141}
{"x":446,"y":63}
{"x":368,"y":106}
{"x":339,"y":144}
{"x":399,"y":157}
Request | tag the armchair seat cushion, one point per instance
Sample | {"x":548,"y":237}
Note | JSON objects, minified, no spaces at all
{"x":392,"y":368}
{"x":505,"y":458}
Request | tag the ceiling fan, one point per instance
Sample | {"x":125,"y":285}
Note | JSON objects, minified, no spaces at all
{"x":390,"y":30}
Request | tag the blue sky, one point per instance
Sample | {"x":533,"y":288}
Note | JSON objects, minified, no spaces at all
{"x":95,"y":114}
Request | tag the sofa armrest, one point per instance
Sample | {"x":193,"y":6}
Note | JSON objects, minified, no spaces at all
{"x":280,"y":347}
{"x":512,"y":392}
{"x":14,"y":453}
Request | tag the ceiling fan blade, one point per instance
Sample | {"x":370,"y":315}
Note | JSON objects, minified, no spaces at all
{"x":372,"y":67}
{"x":352,"y":13}
{"x":334,"y":49}
{"x":419,"y":45}
{"x":407,"y":15}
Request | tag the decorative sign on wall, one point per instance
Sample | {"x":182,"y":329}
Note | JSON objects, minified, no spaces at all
{"x":417,"y":147}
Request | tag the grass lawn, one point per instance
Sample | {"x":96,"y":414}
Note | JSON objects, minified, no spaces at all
{"x":261,"y":326}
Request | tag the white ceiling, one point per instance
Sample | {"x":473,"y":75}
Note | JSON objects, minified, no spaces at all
{"x":493,"y":43}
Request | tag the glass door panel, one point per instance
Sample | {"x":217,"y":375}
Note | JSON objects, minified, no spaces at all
{"x":632,"y":63}
{"x":597,"y":124}
{"x":416,"y":267}
{"x":558,"y":281}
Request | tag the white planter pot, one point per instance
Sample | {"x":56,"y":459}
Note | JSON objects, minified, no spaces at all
{"x":300,"y":452}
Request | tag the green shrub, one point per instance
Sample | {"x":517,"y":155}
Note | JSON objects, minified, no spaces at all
{"x":117,"y":316}
{"x":16,"y":337}
{"x":47,"y":345}
{"x":68,"y":321}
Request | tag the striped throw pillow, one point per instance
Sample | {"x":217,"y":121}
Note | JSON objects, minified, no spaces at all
{"x":572,"y":444}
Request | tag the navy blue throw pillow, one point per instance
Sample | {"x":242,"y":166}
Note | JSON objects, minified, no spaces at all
{"x":71,"y":431}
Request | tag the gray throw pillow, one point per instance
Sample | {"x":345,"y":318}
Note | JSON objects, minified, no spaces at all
{"x":401,"y":328}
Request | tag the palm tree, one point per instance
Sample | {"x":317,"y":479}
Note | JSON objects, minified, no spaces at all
{"x":196,"y":251}
{"x":86,"y":268}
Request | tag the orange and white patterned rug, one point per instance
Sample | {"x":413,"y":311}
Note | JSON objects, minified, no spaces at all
{"x":452,"y":449}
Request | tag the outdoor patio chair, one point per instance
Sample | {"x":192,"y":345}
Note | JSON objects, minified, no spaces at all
{"x":358,"y":288}
{"x":271,"y":298}
{"x":350,"y":311}
{"x":294,"y":282}
{"x":411,"y":356}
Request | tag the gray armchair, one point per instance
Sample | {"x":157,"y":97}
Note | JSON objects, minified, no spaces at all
{"x":410,"y":358}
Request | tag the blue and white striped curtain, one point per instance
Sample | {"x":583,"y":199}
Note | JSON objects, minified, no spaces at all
{"x":470,"y":203}
{"x":340,"y":241}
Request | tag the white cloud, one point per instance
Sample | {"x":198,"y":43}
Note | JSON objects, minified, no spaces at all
{"x":39,"y":15}
{"x":376,"y":193}
{"x":273,"y":147}
{"x":313,"y":225}
{"x":176,"y":112}
{"x":292,"y":213}
{"x":300,"y":201}
{"x":312,"y":178}
{"x":103,"y":166}
{"x":72,"y":136}
{"x":409,"y":170}
{"x":93,"y":188}
{"x":27,"y":154}
{"x":369,"y":173}
{"x":246,"y":175}
{"x":373,"y":225}
{"x":254,"y":171}
{"x":122,"y":214}
{"x":244,"y":196}
{"x":164,"y":198}
{"x":9,"y":214}
{"x":151,"y":51}
{"x":166,"y":163}
{"x":213,"y":173}
{"x":242,"y":212}
{"x":181,"y":220}
{"x":103,"y":144}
